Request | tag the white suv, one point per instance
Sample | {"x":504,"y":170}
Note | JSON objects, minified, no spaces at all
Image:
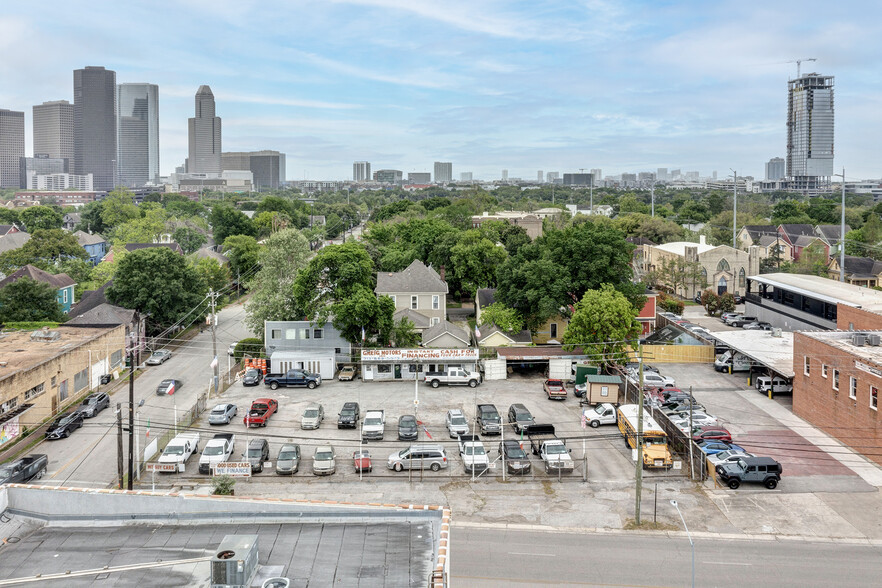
{"x":456,"y":423}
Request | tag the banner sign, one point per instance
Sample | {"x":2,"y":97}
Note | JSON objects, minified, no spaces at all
{"x":443,"y":355}
{"x":161,"y":467}
{"x":235,"y":469}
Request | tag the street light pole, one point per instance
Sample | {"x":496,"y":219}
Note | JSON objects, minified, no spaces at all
{"x":691,"y":543}
{"x":842,"y":232}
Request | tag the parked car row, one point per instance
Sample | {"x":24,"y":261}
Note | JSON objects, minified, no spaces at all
{"x":749,"y":323}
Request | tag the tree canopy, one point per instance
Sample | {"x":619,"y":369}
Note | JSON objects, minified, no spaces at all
{"x":226,"y":221}
{"x":281,"y":258}
{"x":604,"y":325}
{"x":28,"y":300}
{"x":40,"y":217}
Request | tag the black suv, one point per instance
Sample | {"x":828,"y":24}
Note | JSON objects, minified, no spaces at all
{"x":64,"y":425}
{"x":763,"y":470}
{"x":348,"y":416}
{"x":258,"y":452}
{"x":93,"y":404}
{"x":488,"y":420}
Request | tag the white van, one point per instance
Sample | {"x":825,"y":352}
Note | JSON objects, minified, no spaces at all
{"x":776,"y":384}
{"x":732,"y":359}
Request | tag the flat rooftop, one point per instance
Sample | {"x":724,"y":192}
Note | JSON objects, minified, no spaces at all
{"x":843,"y":340}
{"x":825,"y":289}
{"x":149,"y":539}
{"x":776,"y":353}
{"x":21,"y":353}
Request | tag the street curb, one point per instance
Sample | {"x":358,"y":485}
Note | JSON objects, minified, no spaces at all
{"x":678,"y":534}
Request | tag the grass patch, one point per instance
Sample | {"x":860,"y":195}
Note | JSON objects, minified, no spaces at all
{"x":646,"y":525}
{"x":30,"y":325}
{"x":547,"y":488}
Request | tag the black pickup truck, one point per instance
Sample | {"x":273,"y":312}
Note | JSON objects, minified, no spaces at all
{"x":23,"y":470}
{"x":293,"y":378}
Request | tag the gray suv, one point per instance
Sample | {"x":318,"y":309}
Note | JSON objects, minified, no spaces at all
{"x":415,"y":457}
{"x":94,"y":403}
{"x":761,"y":470}
{"x":257,"y":453}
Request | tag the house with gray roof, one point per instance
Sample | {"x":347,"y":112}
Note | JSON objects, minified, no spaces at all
{"x":12,"y":241}
{"x":860,"y":271}
{"x":418,"y":288}
{"x":61,"y":282}
{"x":446,"y":335}
{"x":95,"y":245}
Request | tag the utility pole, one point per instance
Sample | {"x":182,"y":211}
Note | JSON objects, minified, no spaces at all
{"x":119,"y":444}
{"x":652,"y":198}
{"x":842,"y":233}
{"x":639,"y":436}
{"x":214,"y":362}
{"x":131,"y":419}
{"x":734,"y":208}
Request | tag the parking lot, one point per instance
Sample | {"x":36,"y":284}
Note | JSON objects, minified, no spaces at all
{"x":601,"y":450}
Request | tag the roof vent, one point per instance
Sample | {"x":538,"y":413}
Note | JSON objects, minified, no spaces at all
{"x":45,"y":335}
{"x":776,"y":332}
{"x":235,"y":563}
{"x":874,"y":339}
{"x":859,"y":339}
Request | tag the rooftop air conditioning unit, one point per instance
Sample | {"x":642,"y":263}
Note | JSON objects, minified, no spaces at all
{"x":859,"y":339}
{"x":874,"y":339}
{"x":235,"y":563}
{"x":776,"y":332}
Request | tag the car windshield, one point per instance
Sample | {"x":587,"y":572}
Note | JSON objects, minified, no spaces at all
{"x":324,"y":456}
{"x":347,"y":412}
{"x":407,"y":422}
{"x":254,"y":452}
{"x":475,"y":450}
{"x":251,"y":374}
{"x":515,"y":452}
{"x":311,"y":413}
{"x":491,"y":418}
{"x":289,"y":454}
{"x":555,"y":449}
{"x":213,"y":450}
{"x":5,"y":472}
{"x":89,"y":401}
{"x":219,"y":410}
{"x":361,"y":455}
{"x":524,"y":416}
{"x":457,"y":420}
{"x":174,"y":450}
{"x":599,"y":409}
{"x":372,"y":421}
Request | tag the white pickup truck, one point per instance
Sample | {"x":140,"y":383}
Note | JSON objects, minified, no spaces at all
{"x":373,"y":425}
{"x":453,"y":376}
{"x":553,"y":451}
{"x":179,"y":450}
{"x":602,"y":414}
{"x":217,"y":450}
{"x":474,"y":456}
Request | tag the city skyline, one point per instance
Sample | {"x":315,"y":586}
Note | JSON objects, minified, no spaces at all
{"x":404,"y":84}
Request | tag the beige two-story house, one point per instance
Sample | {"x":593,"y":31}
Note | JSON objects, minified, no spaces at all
{"x":419,"y":294}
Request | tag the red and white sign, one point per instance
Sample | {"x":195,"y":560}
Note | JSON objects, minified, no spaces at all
{"x":419,"y":355}
{"x":161,"y":467}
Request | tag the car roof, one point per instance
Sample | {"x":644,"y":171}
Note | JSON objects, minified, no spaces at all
{"x":424,"y":446}
{"x":289,"y":446}
{"x":406,"y":416}
{"x":350,"y":404}
{"x":257,"y":442}
{"x":454,"y":411}
{"x":518,"y":406}
{"x":760,"y":460}
{"x":324,"y":448}
{"x":220,"y":407}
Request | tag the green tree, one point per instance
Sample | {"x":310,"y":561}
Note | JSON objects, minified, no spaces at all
{"x":790,"y":212}
{"x":9,"y":216}
{"x":475,"y":260}
{"x":91,"y":220}
{"x":214,"y":274}
{"x":727,"y":302}
{"x":629,"y":203}
{"x":157,"y":281}
{"x":812,"y":260}
{"x":43,"y":249}
{"x":275,"y":204}
{"x":28,"y":300}
{"x":693,"y":212}
{"x":716,"y":202}
{"x":281,"y":258}
{"x":243,"y":252}
{"x":226,"y":221}
{"x":41,"y":217}
{"x":118,"y":207}
{"x":142,"y":229}
{"x":404,"y":334}
{"x":711,"y":302}
{"x":503,"y":317}
{"x":363,"y":312}
{"x":604,"y":325}
{"x":330,"y":277}
{"x":188,"y":238}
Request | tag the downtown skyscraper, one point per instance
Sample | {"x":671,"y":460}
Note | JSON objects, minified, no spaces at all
{"x":205,"y":135}
{"x":54,"y":130}
{"x":810,"y":132}
{"x":138,"y":126}
{"x":443,"y":172}
{"x":12,"y":146}
{"x":95,"y":138}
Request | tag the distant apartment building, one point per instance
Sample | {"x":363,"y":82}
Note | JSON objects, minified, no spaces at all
{"x":504,"y":175}
{"x":267,"y":167}
{"x":810,"y":132}
{"x":465,"y":177}
{"x":552,"y":177}
{"x":53,"y":124}
{"x":443,"y":172}
{"x":12,"y":147}
{"x":42,"y":164}
{"x":388,"y":176}
{"x":59,"y":197}
{"x":138,"y":128}
{"x":540,"y":176}
{"x":775,"y":169}
{"x":204,"y":131}
{"x":95,"y":132}
{"x":227,"y":181}
{"x":60,"y":181}
{"x":419,"y":178}
{"x":661,"y":174}
{"x":361,"y":171}
{"x":577,"y":179}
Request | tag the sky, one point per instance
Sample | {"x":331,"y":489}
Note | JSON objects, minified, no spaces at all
{"x":552,"y":85}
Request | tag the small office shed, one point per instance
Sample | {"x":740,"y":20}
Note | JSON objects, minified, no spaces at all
{"x":603,"y":389}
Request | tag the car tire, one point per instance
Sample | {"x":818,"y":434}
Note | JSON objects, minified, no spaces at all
{"x":771,"y":483}
{"x":274,"y":386}
{"x":435,"y":383}
{"x":41,"y":473}
{"x":595,"y":424}
{"x":398,"y":467}
{"x":734,"y":484}
{"x":67,"y":434}
{"x":436,"y":467}
{"x":473,"y":383}
{"x":311,"y":385}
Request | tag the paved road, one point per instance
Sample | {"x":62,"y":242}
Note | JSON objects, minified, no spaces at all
{"x":89,"y":456}
{"x":490,"y":557}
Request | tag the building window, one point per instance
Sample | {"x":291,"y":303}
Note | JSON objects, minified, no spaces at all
{"x":436,"y":302}
{"x":806,"y":365}
{"x":392,"y":296}
{"x":35,"y":391}
{"x":836,"y":379}
{"x":64,"y":295}
{"x":723,"y":266}
{"x":742,"y":278}
{"x":62,"y":391}
{"x":553,"y":330}
{"x":8,"y":405}
{"x":337,"y":350}
{"x":291,"y":334}
{"x":435,"y":320}
{"x":116,"y":358}
{"x":384,"y":368}
{"x":874,"y":397}
{"x":852,"y":388}
{"x":414,"y":302}
{"x":81,"y":380}
{"x":52,"y":381}
{"x":276,"y":334}
{"x":317,"y":333}
{"x":824,"y":370}
{"x":604,"y":390}
{"x":304,"y":334}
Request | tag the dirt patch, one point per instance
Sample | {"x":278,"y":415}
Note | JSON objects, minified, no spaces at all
{"x":631,"y":525}
{"x":547,"y":488}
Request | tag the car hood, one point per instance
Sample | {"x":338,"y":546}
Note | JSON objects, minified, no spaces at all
{"x":309,"y":420}
{"x":286,"y":463}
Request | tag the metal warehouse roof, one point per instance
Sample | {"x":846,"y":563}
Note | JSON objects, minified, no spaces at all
{"x":603,"y":379}
{"x":824,"y":289}
{"x":775,"y":353}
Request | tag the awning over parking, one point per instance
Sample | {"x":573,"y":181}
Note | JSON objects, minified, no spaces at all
{"x":774,"y":353}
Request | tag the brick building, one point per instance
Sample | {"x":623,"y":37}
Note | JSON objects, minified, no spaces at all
{"x":44,"y":372}
{"x":838,"y":376}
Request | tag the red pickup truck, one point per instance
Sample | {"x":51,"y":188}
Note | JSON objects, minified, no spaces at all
{"x":260,"y":412}
{"x":555,"y":389}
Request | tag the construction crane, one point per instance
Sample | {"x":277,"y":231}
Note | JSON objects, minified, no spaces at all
{"x":798,"y":63}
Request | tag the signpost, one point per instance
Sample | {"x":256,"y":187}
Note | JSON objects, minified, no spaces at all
{"x":234,"y":469}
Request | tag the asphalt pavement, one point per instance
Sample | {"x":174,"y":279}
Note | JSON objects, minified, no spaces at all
{"x":89,"y":456}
